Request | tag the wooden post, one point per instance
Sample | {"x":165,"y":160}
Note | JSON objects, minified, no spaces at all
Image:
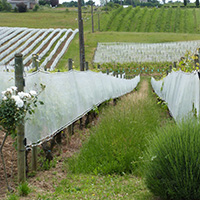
{"x":170,"y":68}
{"x":34,"y":158}
{"x":19,"y":83}
{"x":199,"y":55}
{"x":98,"y":22}
{"x":174,"y":64}
{"x":81,"y":37}
{"x":86,"y":66}
{"x":92,"y":17}
{"x":33,"y":61}
{"x":70,"y":128}
{"x":107,"y":71}
{"x":70,"y":64}
{"x":37,"y":62}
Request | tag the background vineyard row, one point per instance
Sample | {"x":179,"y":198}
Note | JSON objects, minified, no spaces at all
{"x":176,"y":20}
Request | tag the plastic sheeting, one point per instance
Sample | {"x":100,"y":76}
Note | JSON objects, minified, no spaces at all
{"x":181,"y":92}
{"x":67,"y":97}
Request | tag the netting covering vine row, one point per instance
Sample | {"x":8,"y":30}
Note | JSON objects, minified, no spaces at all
{"x":67,"y":97}
{"x":180,"y":91}
{"x":143,"y":52}
{"x":33,"y":41}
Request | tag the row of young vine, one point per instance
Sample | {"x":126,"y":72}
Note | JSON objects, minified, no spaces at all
{"x":138,"y":19}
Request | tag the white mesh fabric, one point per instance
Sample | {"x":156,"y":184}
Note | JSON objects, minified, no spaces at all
{"x":143,"y":52}
{"x":181,"y":92}
{"x":67,"y":97}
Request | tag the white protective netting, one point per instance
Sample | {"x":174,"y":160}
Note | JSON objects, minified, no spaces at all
{"x":143,"y":52}
{"x":181,"y":92}
{"x":67,"y":97}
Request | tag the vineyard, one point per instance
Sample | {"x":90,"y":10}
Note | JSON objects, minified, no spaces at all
{"x":176,"y":20}
{"x":141,"y":52}
{"x":49,"y":45}
{"x":115,"y":131}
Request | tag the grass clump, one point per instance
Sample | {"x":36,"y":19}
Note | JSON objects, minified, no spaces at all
{"x":24,"y":189}
{"x":173,"y":171}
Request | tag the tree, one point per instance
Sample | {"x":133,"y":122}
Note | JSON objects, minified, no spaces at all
{"x":4,"y":5}
{"x":185,"y":2}
{"x":197,"y":3}
{"x":22,"y":7}
{"x":54,"y":3}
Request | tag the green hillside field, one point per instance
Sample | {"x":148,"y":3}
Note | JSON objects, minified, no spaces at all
{"x":176,"y":20}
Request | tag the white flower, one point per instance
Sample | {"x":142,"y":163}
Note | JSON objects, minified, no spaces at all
{"x":4,"y":98}
{"x":33,"y":93}
{"x":153,"y":158}
{"x":9,"y":90}
{"x":14,"y":88}
{"x":3,"y":93}
{"x":18,"y":101}
{"x":24,"y":94}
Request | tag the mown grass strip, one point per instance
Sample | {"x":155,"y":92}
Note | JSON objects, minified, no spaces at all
{"x":116,"y":146}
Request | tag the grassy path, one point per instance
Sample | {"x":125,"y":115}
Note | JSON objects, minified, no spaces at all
{"x":121,"y":130}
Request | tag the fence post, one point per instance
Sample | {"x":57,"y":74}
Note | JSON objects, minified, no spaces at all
{"x":170,"y":68}
{"x":107,"y":71}
{"x":199,"y":55}
{"x":98,"y":22}
{"x":86,"y":66}
{"x":34,"y":158}
{"x":19,"y":83}
{"x":174,"y":64}
{"x":69,"y":64}
{"x":70,"y":128}
{"x":34,"y":61}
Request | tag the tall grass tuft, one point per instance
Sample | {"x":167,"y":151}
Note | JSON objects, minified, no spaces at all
{"x":118,"y":143}
{"x":173,"y":171}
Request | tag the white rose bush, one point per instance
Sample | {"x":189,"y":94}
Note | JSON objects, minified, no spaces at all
{"x":13,"y":109}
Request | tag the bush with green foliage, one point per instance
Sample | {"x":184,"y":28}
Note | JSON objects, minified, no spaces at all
{"x":5,"y":6}
{"x":22,"y":7}
{"x":173,"y":170}
{"x":36,"y":7}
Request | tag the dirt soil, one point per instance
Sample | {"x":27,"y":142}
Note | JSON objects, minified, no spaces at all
{"x":44,"y":181}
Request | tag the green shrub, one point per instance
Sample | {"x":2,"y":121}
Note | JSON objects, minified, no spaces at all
{"x":24,"y":189}
{"x":22,"y":7}
{"x":173,"y":170}
{"x":35,"y":9}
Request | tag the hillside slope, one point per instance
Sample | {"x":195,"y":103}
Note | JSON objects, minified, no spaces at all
{"x":176,"y":20}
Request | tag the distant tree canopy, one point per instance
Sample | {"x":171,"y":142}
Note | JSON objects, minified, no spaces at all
{"x":22,"y":7}
{"x":73,"y":3}
{"x":5,"y":6}
{"x":53,"y":3}
{"x":197,"y":3}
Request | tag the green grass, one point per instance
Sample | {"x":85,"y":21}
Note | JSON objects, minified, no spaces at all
{"x":118,"y":143}
{"x":109,"y":187}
